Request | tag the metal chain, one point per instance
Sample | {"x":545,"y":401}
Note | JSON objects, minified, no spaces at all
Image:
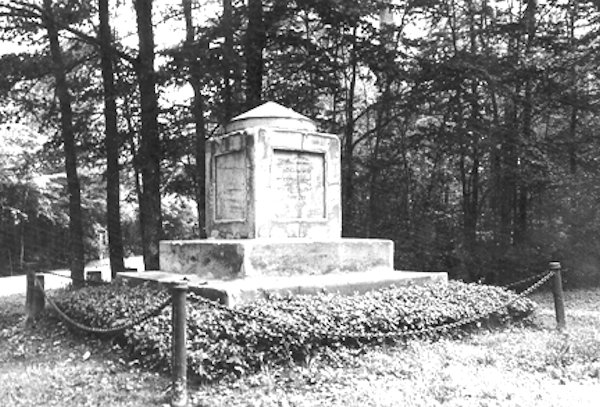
{"x":524,"y":280}
{"x":111,"y":330}
{"x":90,"y":282}
{"x":476,"y":317}
{"x":336,"y":335}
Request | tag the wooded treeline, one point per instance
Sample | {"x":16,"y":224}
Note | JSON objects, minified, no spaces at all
{"x":468,"y":127}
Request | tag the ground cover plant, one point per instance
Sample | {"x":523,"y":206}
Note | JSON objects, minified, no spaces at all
{"x":287,"y":330}
{"x":518,"y":365}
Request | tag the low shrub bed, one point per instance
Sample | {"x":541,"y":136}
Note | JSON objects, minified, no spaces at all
{"x":283,"y":330}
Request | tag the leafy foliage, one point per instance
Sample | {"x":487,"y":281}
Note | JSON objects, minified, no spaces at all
{"x":468,"y":127}
{"x":284,"y":330}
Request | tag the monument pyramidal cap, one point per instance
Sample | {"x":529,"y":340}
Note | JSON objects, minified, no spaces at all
{"x":273,"y":217}
{"x":274,"y":115}
{"x":271,"y":110}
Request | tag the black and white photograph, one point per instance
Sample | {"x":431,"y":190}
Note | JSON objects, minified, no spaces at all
{"x":298,"y":203}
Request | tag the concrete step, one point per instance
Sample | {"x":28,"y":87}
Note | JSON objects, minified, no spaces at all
{"x":242,"y":290}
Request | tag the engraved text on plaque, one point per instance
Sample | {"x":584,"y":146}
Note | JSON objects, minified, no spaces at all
{"x":298,"y":184}
{"x":230,"y":184}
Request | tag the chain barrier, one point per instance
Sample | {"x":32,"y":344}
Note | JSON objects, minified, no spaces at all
{"x":88,"y":282}
{"x":104,"y":331}
{"x":336,"y":335}
{"x":524,"y":280}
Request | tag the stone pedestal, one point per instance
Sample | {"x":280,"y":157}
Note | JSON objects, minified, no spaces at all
{"x":230,"y":259}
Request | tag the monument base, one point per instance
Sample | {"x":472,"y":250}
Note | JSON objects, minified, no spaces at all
{"x":233,"y":259}
{"x":238,"y":271}
{"x":244,"y":290}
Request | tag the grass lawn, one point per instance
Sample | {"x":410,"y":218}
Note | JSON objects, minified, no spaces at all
{"x":530,"y":365}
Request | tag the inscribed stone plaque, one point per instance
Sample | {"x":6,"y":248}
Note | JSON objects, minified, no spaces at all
{"x":298,"y":184}
{"x":230,"y":185}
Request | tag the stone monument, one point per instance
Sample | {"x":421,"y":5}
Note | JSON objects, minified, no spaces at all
{"x":273,"y":176}
{"x":273,"y":204}
{"x":273,"y":217}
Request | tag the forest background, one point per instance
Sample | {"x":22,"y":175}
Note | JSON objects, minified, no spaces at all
{"x":468,"y":127}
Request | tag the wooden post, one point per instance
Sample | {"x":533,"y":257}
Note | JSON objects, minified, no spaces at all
{"x":30,"y":276}
{"x":557,"y":292}
{"x":179,"y":396}
{"x":34,"y":300}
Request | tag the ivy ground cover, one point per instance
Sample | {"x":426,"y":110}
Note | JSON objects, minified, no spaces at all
{"x":289,"y":330}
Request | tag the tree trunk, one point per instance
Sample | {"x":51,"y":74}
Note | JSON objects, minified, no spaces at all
{"x":76,"y":253}
{"x":22,"y":245}
{"x":506,"y":189}
{"x":382,"y":112}
{"x":348,"y":167}
{"x":227,"y":24}
{"x":574,"y":4}
{"x":113,"y":209}
{"x":255,"y":43}
{"x":198,"y":112}
{"x":573,"y":141}
{"x":470,"y":178}
{"x":150,"y":142}
{"x":134,"y":151}
{"x":522,"y":201}
{"x":469,"y":181}
{"x":508,"y":176}
{"x":372,"y":212}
